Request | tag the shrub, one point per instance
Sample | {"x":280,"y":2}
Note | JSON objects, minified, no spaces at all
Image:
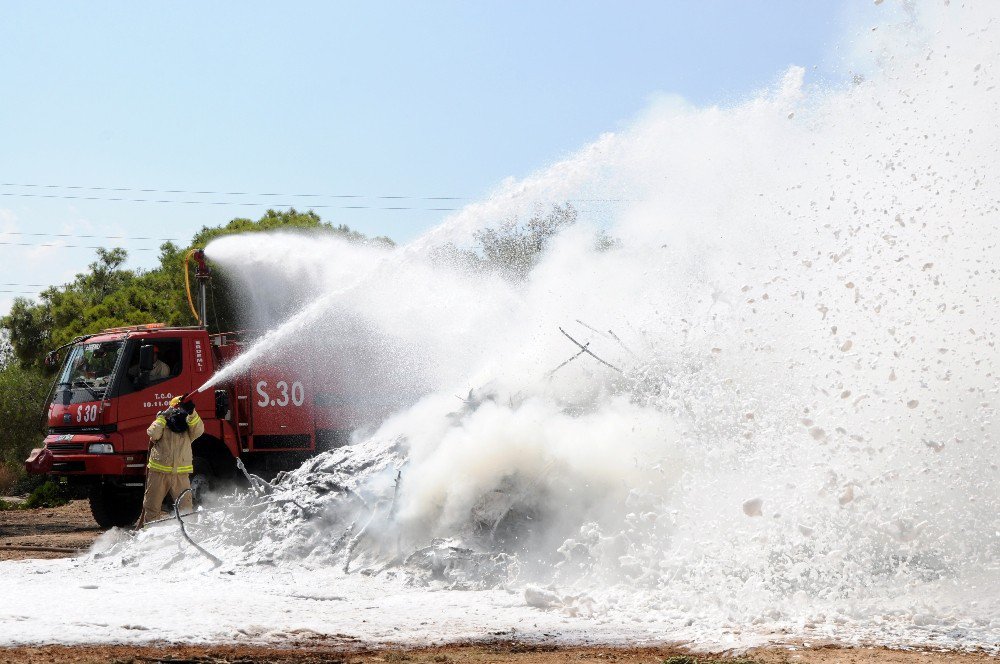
{"x":49,"y":494}
{"x":8,"y":477}
{"x":26,"y":483}
{"x":22,"y":402}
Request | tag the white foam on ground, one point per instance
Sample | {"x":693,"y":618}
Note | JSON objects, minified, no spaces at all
{"x":84,"y":602}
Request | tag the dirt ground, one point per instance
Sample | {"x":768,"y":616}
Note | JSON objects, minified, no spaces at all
{"x":490,"y":653}
{"x":71,"y":527}
{"x":68,"y":527}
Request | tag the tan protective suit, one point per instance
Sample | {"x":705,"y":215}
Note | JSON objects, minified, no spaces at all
{"x":170,"y":463}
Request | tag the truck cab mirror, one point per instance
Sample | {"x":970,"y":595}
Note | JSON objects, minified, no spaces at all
{"x":145,"y":358}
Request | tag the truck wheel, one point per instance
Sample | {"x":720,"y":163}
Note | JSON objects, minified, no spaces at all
{"x":201,"y":480}
{"x":112,"y":506}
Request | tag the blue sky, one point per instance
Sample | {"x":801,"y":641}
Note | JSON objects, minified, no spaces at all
{"x":369,"y":98}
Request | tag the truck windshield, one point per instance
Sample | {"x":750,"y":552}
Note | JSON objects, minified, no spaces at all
{"x":86,"y":374}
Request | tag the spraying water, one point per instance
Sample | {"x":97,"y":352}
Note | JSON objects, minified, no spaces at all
{"x":799,"y":300}
{"x":271,"y":264}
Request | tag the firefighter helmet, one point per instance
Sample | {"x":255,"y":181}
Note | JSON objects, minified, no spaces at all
{"x":176,"y":420}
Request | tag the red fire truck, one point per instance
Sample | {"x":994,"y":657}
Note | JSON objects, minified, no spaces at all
{"x":112,"y":384}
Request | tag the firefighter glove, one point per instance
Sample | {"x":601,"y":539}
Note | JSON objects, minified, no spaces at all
{"x":186,"y":406}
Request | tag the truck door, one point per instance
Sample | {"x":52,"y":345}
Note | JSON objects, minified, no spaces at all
{"x":140,"y":397}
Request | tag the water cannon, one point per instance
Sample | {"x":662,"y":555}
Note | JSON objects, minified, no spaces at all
{"x":202,"y":273}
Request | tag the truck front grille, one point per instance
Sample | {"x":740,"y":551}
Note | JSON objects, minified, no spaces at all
{"x":63,"y":448}
{"x":100,"y":428}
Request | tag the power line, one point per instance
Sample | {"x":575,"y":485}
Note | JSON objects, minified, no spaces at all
{"x":232,"y":193}
{"x":387,"y":197}
{"x":240,"y":203}
{"x":109,"y":237}
{"x":16,"y":284}
{"x":67,"y":246}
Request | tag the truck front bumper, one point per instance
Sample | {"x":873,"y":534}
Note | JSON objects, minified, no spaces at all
{"x":68,"y":455}
{"x":96,"y":464}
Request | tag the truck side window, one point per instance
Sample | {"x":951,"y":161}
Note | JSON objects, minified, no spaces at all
{"x":166,"y":364}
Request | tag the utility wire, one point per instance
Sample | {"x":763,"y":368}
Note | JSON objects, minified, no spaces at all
{"x":391,"y":197}
{"x":230,"y":193}
{"x":241,"y":203}
{"x":67,"y":246}
{"x":109,"y":237}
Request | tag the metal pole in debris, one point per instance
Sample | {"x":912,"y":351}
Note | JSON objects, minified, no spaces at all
{"x":584,"y":349}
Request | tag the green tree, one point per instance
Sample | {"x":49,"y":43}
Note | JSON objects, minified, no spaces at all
{"x":106,"y":275}
{"x":6,"y":349}
{"x":22,"y":400}
{"x":107,"y":295}
{"x":292,"y":220}
{"x":30,"y":328}
{"x":513,"y":248}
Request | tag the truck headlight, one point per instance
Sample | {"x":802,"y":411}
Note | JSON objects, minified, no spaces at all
{"x":101,"y":448}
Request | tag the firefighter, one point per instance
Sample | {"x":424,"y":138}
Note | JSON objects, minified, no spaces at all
{"x":160,"y":368}
{"x":170,"y":459}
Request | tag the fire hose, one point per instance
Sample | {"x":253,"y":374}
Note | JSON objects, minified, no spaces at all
{"x":177,"y":513}
{"x":257,"y":484}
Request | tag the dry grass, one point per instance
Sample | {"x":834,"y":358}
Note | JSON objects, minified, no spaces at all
{"x":7,"y":479}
